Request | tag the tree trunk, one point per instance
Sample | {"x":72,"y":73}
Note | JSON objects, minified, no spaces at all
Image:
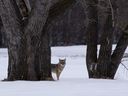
{"x":11,"y":23}
{"x":104,"y":59}
{"x":18,"y":70}
{"x":118,"y":54}
{"x":45,"y":67}
{"x":92,"y":35}
{"x":33,"y":34}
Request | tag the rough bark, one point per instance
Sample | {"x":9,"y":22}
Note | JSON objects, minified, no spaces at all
{"x":118,"y":54}
{"x":16,"y":36}
{"x":45,"y":49}
{"x":33,"y":33}
{"x":11,"y":22}
{"x":92,"y":35}
{"x":104,"y":59}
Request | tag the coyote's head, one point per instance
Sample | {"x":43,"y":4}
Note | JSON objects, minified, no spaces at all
{"x":62,"y":61}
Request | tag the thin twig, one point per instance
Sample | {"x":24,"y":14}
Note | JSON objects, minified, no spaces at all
{"x":124,"y":66}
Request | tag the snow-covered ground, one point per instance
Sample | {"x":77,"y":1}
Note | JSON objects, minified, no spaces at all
{"x":73,"y":80}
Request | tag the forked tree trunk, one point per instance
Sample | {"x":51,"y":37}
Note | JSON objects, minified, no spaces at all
{"x":107,"y":63}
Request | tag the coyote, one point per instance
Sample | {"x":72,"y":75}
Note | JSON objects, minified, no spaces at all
{"x":58,"y":68}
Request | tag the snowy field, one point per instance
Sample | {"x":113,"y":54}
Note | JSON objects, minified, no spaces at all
{"x":73,"y":80}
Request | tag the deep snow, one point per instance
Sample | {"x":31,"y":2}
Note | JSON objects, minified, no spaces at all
{"x":73,"y":80}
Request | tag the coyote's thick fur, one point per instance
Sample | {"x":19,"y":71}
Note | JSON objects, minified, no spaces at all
{"x":58,"y":68}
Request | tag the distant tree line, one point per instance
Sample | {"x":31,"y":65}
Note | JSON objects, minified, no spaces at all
{"x":70,"y":28}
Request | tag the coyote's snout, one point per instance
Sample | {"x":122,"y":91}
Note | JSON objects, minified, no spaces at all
{"x":58,"y":68}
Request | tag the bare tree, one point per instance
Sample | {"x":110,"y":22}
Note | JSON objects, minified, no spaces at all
{"x":105,"y":64}
{"x":29,"y":49}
